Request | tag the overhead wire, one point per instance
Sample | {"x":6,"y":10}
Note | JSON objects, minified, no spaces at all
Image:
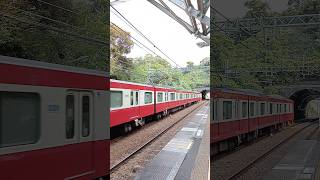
{"x":118,"y":28}
{"x":230,"y":21}
{"x":55,"y":29}
{"x":225,"y":17}
{"x":56,"y":6}
{"x":88,"y":39}
{"x":139,"y":32}
{"x":56,"y":21}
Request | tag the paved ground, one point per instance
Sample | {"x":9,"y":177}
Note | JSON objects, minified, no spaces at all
{"x":184,"y":154}
{"x":300,"y":163}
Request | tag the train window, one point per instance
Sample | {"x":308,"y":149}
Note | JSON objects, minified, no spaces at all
{"x":285,"y":107}
{"x":116,"y":99}
{"x":262,"y":108}
{"x":160,"y":97}
{"x":137,"y":97}
{"x":19,"y":118}
{"x":214,"y":110}
{"x":212,"y":105}
{"x":257,"y":108}
{"x":244,"y":109}
{"x":227,"y":109}
{"x":70,"y":116}
{"x":270,"y":108}
{"x":289,"y":107}
{"x":85,"y":116}
{"x":148,"y":97}
{"x":131,"y":98}
{"x":177,"y":96}
{"x":172,"y":96}
{"x":180,"y":95}
{"x":236,"y":109}
{"x":251,"y":109}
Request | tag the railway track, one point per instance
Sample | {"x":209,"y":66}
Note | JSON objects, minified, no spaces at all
{"x":224,"y":154}
{"x":264,"y":155}
{"x":311,"y":135}
{"x":152,"y":139}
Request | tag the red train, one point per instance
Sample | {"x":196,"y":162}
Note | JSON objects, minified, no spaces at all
{"x":53,"y":121}
{"x":132,"y":103}
{"x":240,"y":115}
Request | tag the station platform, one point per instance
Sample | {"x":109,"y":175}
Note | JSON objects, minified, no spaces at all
{"x":186,"y":155}
{"x":302,"y":162}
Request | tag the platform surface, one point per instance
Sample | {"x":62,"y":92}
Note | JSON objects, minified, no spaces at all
{"x":184,"y":154}
{"x":300,"y":163}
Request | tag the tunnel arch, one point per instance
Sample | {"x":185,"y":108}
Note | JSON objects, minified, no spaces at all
{"x":301,"y":98}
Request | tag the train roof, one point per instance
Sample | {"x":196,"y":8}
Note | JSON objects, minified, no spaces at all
{"x":128,"y":82}
{"x":250,"y":92}
{"x":240,"y":91}
{"x":50,"y":66}
{"x":148,"y":85}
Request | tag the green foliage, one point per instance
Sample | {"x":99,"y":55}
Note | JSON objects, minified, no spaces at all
{"x":289,"y":48}
{"x":120,"y":45}
{"x":155,"y":70}
{"x":34,"y":30}
{"x":257,"y":8}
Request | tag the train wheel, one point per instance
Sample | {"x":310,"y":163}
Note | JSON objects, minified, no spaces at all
{"x":142,"y":122}
{"x":103,"y":178}
{"x":127,"y":128}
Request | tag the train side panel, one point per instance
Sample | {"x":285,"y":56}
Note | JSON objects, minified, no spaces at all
{"x":237,"y":115}
{"x":53,"y":132}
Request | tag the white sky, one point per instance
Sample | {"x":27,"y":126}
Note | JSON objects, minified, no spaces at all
{"x":167,"y":34}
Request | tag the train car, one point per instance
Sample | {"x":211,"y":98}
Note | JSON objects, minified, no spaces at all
{"x":130,"y":103}
{"x":241,"y":115}
{"x":133,"y":103}
{"x":53,"y":121}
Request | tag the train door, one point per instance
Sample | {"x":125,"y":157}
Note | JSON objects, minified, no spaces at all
{"x":278,"y":115}
{"x":80,"y":104}
{"x":136,"y":102}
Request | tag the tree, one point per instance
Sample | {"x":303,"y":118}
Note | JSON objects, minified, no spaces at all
{"x":120,"y":45}
{"x":190,"y":65}
{"x":257,"y":9}
{"x":40,"y":31}
{"x":153,"y":70}
{"x":303,"y":7}
{"x":205,"y":62}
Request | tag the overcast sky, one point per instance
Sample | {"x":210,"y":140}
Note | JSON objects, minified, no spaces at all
{"x":163,"y":31}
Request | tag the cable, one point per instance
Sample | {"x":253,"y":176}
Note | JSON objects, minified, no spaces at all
{"x":117,"y":29}
{"x":56,"y":6}
{"x":132,"y":26}
{"x":56,"y":21}
{"x":228,"y":36}
{"x":63,"y":8}
{"x":89,"y":39}
{"x":241,"y":26}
